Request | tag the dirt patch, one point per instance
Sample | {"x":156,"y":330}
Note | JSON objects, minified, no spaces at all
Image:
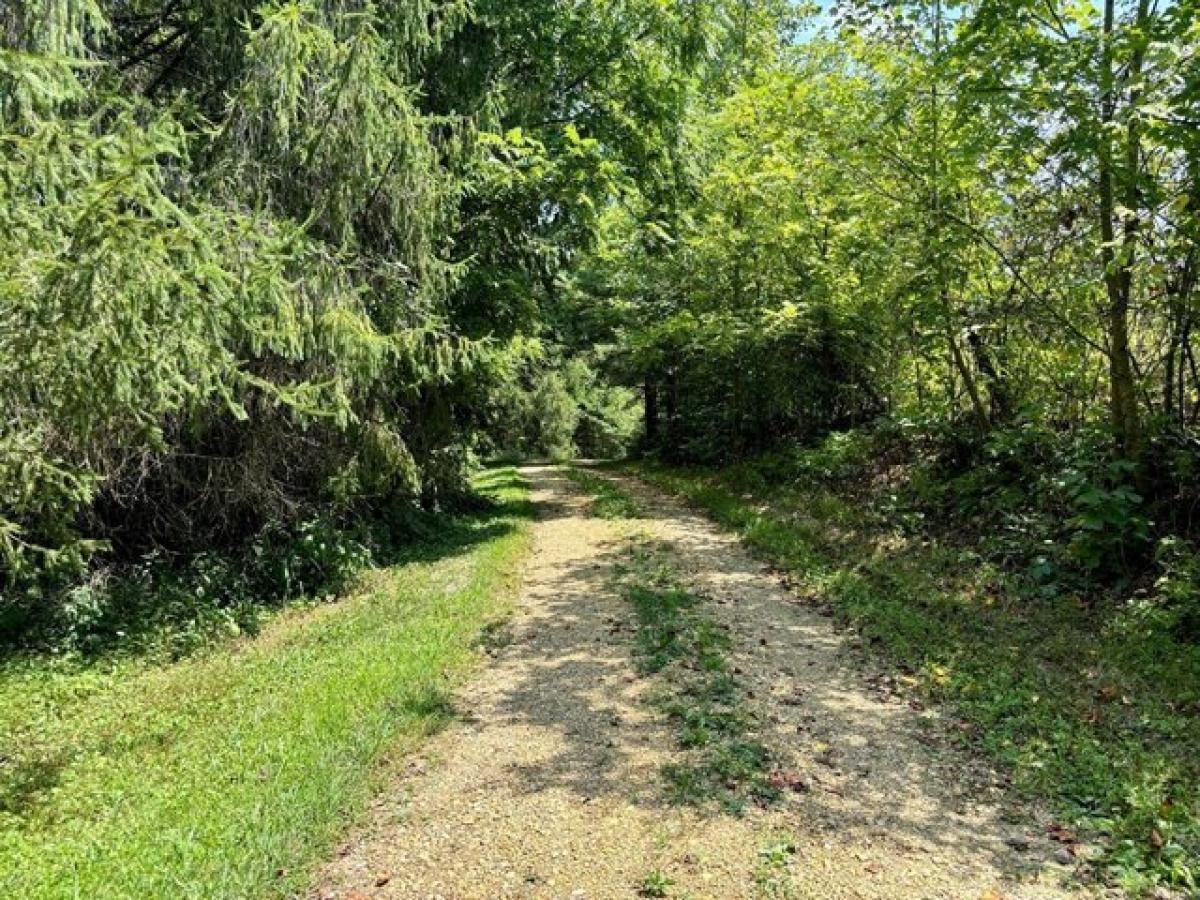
{"x":550,"y":784}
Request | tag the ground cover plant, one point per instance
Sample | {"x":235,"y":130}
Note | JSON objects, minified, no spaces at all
{"x":609,"y":501}
{"x":681,"y":644}
{"x":687,"y":650}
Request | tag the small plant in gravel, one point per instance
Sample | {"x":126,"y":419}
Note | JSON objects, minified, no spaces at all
{"x":700,"y":693}
{"x":773,"y":875}
{"x":611,"y":501}
{"x":656,"y":884}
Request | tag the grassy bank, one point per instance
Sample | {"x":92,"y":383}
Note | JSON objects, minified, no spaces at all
{"x":230,"y":773}
{"x":1097,"y":713}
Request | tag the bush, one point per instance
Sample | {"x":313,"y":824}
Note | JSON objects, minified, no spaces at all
{"x":174,"y":606}
{"x":1109,"y":531}
{"x":1177,"y":588}
{"x":736,"y":385}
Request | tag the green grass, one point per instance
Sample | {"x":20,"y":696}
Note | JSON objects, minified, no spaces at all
{"x":232,"y":772}
{"x":610,"y":501}
{"x":1099,"y":714}
{"x":677,"y":641}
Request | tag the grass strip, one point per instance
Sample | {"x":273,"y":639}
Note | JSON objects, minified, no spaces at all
{"x":700,"y":695}
{"x":232,"y":772}
{"x":609,"y":500}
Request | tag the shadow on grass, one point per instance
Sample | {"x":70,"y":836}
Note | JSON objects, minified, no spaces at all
{"x":24,"y":781}
{"x":164,"y":611}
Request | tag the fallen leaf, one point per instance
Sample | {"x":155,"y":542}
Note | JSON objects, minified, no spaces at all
{"x":790,"y":781}
{"x":1061,"y":833}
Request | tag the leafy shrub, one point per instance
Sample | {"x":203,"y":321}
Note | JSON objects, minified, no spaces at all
{"x":1110,"y":532}
{"x":1177,"y":588}
{"x":841,"y":456}
{"x":742,"y":383}
{"x":174,"y":607}
{"x":543,"y":405}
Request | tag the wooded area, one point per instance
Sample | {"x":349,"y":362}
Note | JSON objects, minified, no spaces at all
{"x":275,"y":279}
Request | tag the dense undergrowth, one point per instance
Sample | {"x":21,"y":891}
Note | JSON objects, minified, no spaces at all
{"x":169,"y":605}
{"x":230,"y":772}
{"x":1041,"y":604}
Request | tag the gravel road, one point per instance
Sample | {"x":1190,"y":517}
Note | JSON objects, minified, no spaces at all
{"x":549,"y":783}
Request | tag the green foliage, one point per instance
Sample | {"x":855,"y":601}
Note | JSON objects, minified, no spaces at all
{"x":773,"y":874}
{"x":156,"y":608}
{"x":1108,"y":524}
{"x":185,"y":310}
{"x":547,"y":406}
{"x":1175,"y":607}
{"x":274,"y":274}
{"x":877,"y":223}
{"x":656,"y":883}
{"x":610,"y":500}
{"x":260,"y":263}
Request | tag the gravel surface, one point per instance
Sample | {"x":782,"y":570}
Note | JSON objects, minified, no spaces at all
{"x":549,"y":784}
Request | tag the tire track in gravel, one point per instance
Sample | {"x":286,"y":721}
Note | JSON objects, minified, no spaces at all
{"x":549,"y":784}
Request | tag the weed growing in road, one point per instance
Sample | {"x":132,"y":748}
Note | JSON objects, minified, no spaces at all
{"x":611,"y":501}
{"x":700,"y":694}
{"x":656,"y":884}
{"x":773,"y":874}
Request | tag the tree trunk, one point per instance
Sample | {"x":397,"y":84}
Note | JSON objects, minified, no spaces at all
{"x":673,"y":437}
{"x":997,"y":386}
{"x":1118,"y":270}
{"x":650,"y":389}
{"x":968,"y":377}
{"x":1179,"y":305}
